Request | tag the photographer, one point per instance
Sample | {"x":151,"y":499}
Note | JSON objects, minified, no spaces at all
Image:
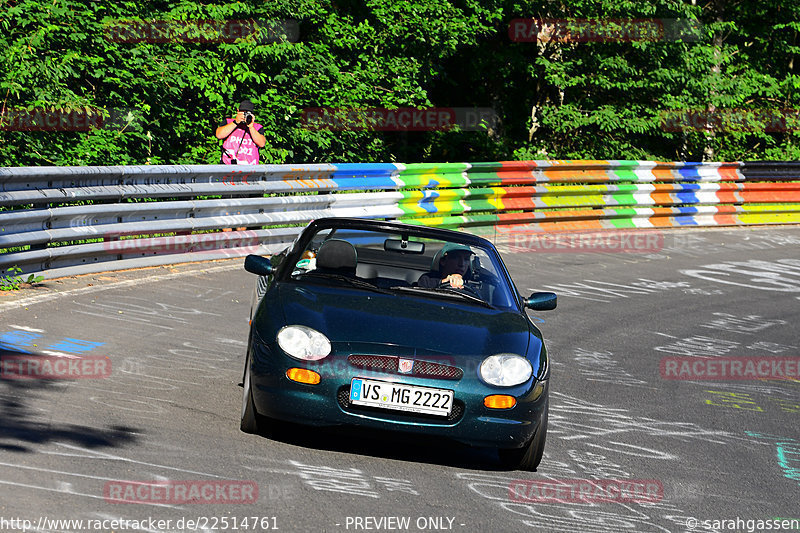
{"x":241,"y":137}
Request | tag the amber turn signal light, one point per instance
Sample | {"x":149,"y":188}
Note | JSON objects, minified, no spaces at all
{"x":302,"y":375}
{"x":499,"y":401}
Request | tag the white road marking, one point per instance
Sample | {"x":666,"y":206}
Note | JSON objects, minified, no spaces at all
{"x":41,"y":298}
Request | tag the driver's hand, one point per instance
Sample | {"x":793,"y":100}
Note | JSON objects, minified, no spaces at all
{"x":455,"y":281}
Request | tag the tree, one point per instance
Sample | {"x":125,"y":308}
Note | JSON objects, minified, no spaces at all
{"x":161,"y":94}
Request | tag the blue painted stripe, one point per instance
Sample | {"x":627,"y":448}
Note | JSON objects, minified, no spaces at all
{"x":683,"y":220}
{"x":427,"y":201}
{"x":72,"y":345}
{"x":18,"y":341}
{"x":689,"y":173}
{"x":364,"y":175}
{"x":686,"y":194}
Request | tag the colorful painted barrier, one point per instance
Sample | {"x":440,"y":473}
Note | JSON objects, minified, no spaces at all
{"x":70,"y":220}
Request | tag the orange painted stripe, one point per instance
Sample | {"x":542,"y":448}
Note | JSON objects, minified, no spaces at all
{"x":664,"y":187}
{"x":509,"y":218}
{"x":518,"y":203}
{"x":727,"y":215}
{"x":568,"y":175}
{"x":518,"y":165}
{"x":726,"y":220}
{"x":542,"y":215}
{"x":519,"y":191}
{"x":770,"y":196}
{"x":518,"y":177}
{"x":792,"y":186}
{"x":728,"y":192}
{"x":579,"y":225}
{"x":663,"y":174}
{"x":729,"y":173}
{"x":662,"y":198}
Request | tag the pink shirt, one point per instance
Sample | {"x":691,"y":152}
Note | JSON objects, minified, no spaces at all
{"x":240,"y":146}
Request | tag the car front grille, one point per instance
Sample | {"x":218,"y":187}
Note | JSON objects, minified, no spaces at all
{"x":343,"y":396}
{"x":390,"y":365}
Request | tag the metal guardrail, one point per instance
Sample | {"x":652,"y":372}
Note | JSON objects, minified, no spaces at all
{"x":77,"y":220}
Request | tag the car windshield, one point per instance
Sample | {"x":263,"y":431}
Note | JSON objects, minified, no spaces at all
{"x":392,"y":262}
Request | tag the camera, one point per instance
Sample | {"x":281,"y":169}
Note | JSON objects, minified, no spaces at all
{"x":248,"y":118}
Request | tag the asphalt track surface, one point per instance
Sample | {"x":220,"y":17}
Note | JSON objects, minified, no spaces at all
{"x":720,"y":450}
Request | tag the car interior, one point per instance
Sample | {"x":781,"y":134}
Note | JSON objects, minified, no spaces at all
{"x":391,"y":262}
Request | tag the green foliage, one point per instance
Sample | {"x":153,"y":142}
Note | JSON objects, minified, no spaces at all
{"x":11,"y":280}
{"x":161,"y":101}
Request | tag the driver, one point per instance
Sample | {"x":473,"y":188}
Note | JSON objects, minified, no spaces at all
{"x":453,"y":266}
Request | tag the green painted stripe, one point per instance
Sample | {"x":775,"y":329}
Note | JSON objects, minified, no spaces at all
{"x":625,"y":174}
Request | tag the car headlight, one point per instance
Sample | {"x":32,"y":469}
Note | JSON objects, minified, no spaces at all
{"x":505,"y":370}
{"x":303,"y":343}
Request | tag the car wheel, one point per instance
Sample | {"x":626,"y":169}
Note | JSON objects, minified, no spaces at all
{"x":252,"y":422}
{"x":530,"y":455}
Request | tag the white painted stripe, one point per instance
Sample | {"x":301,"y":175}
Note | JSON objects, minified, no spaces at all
{"x":98,"y":455}
{"x":59,"y":354}
{"x":709,"y":174}
{"x":707,"y":197}
{"x":644,"y":174}
{"x":643,"y":198}
{"x":26,"y":328}
{"x":51,"y":471}
{"x":642,"y":220}
{"x":42,"y":298}
{"x":705,"y":220}
{"x":707,"y":210}
{"x":94,"y":496}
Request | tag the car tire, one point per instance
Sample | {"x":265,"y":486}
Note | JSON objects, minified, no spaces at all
{"x":530,"y":455}
{"x":252,"y":422}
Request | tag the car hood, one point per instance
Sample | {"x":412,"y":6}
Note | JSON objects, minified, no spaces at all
{"x":427,"y":325}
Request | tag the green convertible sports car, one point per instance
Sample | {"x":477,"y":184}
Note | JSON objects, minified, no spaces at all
{"x":397,"y":327}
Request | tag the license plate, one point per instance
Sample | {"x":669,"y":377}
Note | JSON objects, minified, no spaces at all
{"x":401,"y":397}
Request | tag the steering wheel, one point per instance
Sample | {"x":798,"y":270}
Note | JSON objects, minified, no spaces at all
{"x":469,"y":286}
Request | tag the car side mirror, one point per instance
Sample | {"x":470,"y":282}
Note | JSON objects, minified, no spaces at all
{"x":257,"y":264}
{"x":542,"y":301}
